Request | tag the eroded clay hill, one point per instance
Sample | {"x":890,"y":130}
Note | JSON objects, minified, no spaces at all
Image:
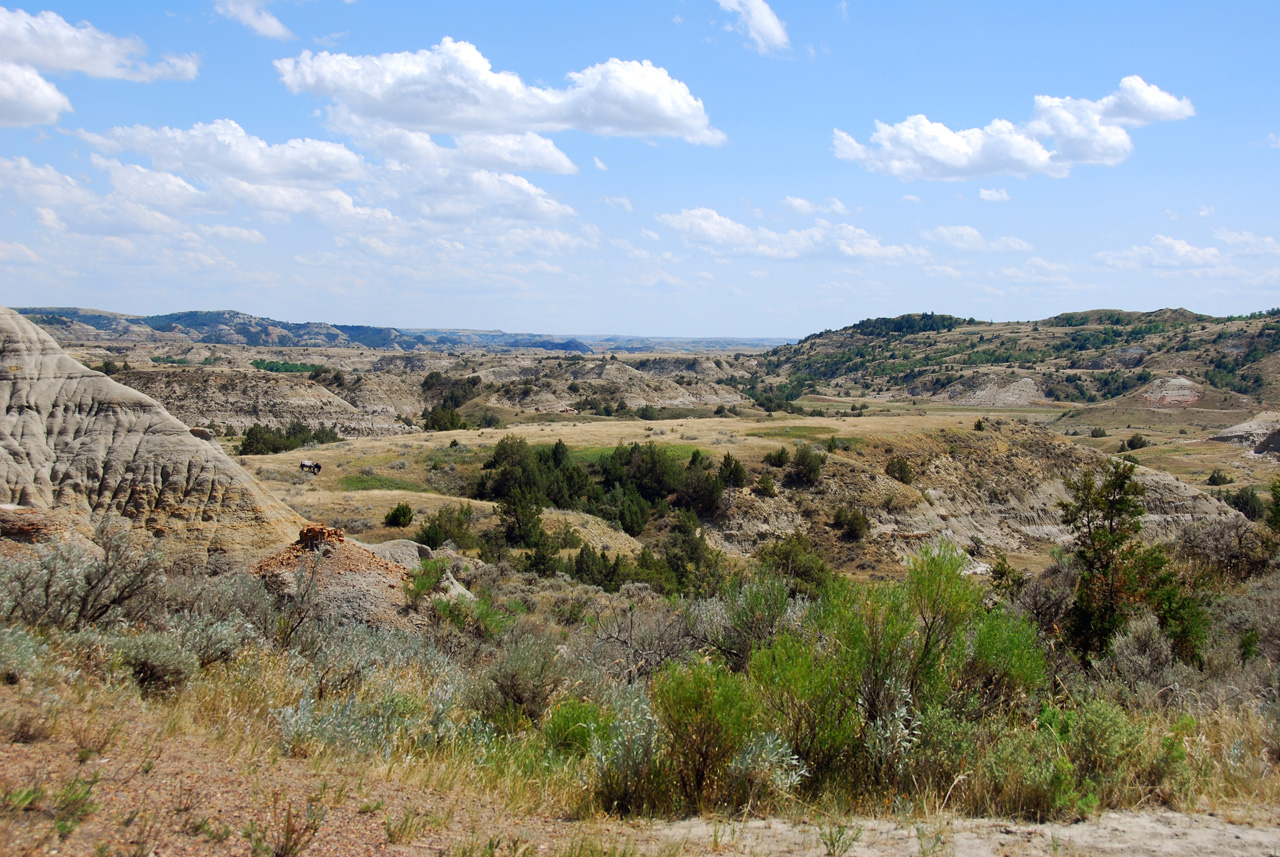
{"x":999,"y":488}
{"x":73,"y":439}
{"x":238,"y":398}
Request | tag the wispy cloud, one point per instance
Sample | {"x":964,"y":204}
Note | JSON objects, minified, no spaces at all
{"x":254,"y":15}
{"x":760,"y":23}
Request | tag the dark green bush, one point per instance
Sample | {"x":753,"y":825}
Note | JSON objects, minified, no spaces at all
{"x":732,"y":473}
{"x":1220,"y":477}
{"x":262,"y":440}
{"x":1246,"y":501}
{"x":794,"y":557}
{"x":401,"y":515}
{"x":441,"y":418}
{"x":806,"y":466}
{"x":852,"y":523}
{"x":778,"y":458}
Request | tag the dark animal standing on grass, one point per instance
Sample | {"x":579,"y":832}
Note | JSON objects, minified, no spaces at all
{"x":310,"y":466}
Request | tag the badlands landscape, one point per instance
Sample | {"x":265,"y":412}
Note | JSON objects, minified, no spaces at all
{"x":545,"y":596}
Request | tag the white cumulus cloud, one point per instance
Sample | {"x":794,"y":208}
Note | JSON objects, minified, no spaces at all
{"x":30,"y":44}
{"x":968,"y":238}
{"x":708,"y":228}
{"x":254,"y":15}
{"x":1080,"y":131}
{"x":453,"y":89}
{"x":153,"y":188}
{"x":760,"y":23}
{"x":47,"y":42}
{"x":26,"y":98}
{"x":223,"y":149}
{"x":993,"y":194}
{"x":527,"y":151}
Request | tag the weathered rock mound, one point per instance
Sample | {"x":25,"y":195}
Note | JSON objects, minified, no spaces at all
{"x":1172,"y":392}
{"x":73,"y":439}
{"x":350,"y":581}
{"x":988,"y":391}
{"x":1252,"y":433}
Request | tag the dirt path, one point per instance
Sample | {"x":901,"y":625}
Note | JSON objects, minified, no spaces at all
{"x":1120,"y":833}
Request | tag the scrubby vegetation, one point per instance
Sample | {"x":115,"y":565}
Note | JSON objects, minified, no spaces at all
{"x":1127,"y":674}
{"x":285,"y":366}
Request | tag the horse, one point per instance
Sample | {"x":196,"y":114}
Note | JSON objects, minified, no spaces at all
{"x":312,"y":467}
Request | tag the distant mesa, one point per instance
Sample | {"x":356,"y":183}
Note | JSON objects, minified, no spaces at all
{"x":227,"y":327}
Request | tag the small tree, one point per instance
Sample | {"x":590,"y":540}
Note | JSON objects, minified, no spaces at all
{"x":449,"y":524}
{"x":1273,"y":512}
{"x":521,"y":517}
{"x":806,"y":466}
{"x":900,"y":469}
{"x":1116,"y":571}
{"x":732,"y":473}
{"x":765,"y":486}
{"x":1246,"y":501}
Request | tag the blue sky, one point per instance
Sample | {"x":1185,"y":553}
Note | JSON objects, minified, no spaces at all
{"x":669,"y":167}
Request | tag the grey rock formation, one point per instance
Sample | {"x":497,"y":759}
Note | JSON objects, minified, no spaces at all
{"x":73,"y":439}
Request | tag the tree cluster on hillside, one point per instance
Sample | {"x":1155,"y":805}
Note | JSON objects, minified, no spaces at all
{"x":264,"y":440}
